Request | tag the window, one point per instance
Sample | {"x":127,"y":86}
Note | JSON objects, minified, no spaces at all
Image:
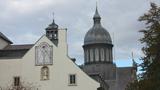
{"x":72,"y":79}
{"x":87,"y":56}
{"x":97,"y":54}
{"x":102,"y":54}
{"x":16,"y":81}
{"x":107,"y":54}
{"x":44,"y":73}
{"x":50,"y":35}
{"x":91,"y":55}
{"x":55,"y":35}
{"x":110,"y":54}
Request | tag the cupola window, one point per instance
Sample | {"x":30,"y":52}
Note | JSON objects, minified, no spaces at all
{"x":87,"y":56}
{"x":50,"y":35}
{"x":107,"y":54}
{"x":91,"y":55}
{"x":96,"y":54}
{"x":102,"y":54}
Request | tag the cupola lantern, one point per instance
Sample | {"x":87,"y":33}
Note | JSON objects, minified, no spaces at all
{"x":52,"y":32}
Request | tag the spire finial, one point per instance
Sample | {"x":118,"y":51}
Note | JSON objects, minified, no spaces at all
{"x":133,"y":59}
{"x":96,"y":15}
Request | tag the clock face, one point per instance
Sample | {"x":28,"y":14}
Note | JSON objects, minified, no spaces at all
{"x":44,"y":54}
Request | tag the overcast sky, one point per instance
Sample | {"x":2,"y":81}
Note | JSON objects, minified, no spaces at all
{"x":24,"y":21}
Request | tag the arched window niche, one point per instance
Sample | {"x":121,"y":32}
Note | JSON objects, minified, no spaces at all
{"x":44,"y":73}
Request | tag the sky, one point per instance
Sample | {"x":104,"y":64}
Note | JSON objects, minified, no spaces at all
{"x":24,"y":22}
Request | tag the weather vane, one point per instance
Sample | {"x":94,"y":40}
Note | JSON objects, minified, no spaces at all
{"x":53,"y":15}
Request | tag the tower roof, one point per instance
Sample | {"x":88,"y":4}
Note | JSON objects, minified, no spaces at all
{"x":52,"y":26}
{"x":97,"y":34}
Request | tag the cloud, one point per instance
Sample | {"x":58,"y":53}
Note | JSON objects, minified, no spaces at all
{"x":28,"y":38}
{"x":24,"y":21}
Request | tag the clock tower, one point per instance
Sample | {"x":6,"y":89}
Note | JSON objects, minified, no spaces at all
{"x":52,"y":32}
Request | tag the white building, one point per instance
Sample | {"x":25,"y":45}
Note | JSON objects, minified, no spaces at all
{"x":42,"y":66}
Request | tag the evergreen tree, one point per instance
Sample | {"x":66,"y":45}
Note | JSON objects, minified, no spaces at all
{"x":150,"y":78}
{"x":151,"y":39}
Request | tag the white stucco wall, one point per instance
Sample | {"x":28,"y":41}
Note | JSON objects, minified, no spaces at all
{"x":3,"y":43}
{"x":58,"y":72}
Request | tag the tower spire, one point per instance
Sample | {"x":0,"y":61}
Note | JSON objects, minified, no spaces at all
{"x":134,"y":64}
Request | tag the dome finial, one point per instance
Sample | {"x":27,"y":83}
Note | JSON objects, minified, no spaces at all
{"x":96,"y":17}
{"x":96,"y":4}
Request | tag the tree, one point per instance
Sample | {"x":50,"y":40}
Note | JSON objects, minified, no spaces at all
{"x":151,"y":39}
{"x":150,"y":78}
{"x":22,"y":86}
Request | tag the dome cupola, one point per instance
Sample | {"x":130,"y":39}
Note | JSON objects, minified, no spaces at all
{"x":52,"y":32}
{"x":97,"y":34}
{"x":97,"y":43}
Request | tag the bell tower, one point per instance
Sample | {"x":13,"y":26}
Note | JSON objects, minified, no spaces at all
{"x":52,"y":32}
{"x":98,"y":51}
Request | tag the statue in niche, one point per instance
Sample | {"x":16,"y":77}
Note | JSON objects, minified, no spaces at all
{"x":44,"y":73}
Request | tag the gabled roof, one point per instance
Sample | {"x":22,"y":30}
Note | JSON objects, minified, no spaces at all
{"x":5,"y":38}
{"x":14,"y":51}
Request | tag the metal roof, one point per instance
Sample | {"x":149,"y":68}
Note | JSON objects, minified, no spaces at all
{"x":5,"y":38}
{"x":52,"y":26}
{"x":14,"y":51}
